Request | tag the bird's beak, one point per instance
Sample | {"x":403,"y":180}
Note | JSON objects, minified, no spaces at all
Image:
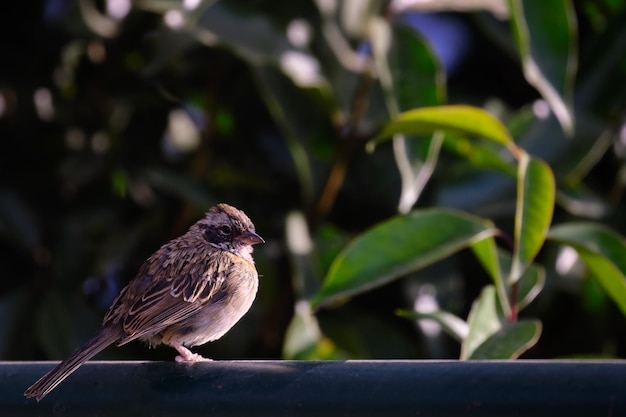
{"x":251,"y":238}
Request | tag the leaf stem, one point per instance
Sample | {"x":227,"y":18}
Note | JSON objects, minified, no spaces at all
{"x":513,"y":295}
{"x":513,"y":302}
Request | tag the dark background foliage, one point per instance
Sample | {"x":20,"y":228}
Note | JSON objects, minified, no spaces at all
{"x":118,"y":134}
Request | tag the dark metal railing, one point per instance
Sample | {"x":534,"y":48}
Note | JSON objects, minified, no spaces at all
{"x":334,"y":388}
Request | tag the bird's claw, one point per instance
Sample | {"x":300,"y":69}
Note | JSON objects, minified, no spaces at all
{"x":187,"y":356}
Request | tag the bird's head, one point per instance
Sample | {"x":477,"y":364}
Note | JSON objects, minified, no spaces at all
{"x":227,"y":228}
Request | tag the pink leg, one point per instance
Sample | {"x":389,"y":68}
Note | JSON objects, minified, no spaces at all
{"x":185,"y":355}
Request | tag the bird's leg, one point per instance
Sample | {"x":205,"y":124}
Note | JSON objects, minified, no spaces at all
{"x":185,"y":355}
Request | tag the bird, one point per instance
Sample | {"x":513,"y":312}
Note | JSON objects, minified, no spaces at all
{"x":191,"y":291}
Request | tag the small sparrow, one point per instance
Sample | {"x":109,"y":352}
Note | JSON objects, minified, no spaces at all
{"x":189,"y":292}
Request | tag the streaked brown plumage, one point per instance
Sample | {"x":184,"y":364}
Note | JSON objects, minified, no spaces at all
{"x":189,"y":292}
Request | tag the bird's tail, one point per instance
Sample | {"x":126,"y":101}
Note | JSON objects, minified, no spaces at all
{"x":50,"y":380}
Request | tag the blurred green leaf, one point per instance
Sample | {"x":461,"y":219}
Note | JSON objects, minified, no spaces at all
{"x":546,"y":37}
{"x":410,"y":77}
{"x":487,"y":253}
{"x":530,"y":285}
{"x":594,"y":298}
{"x":304,"y":339}
{"x":456,"y":119}
{"x":497,"y":262}
{"x":510,"y":341}
{"x":303,"y":333}
{"x":454,"y":326}
{"x":535,"y":204}
{"x":580,"y":201}
{"x":329,"y":241}
{"x":520,"y":121}
{"x":483,"y":321}
{"x":479,"y":154}
{"x":584,"y":160}
{"x":397,"y":247}
{"x":409,"y":71}
{"x":492,"y":337}
{"x":602,"y":250}
{"x":302,"y":256}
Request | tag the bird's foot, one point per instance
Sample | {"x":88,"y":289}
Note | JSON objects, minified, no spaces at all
{"x":187,"y":356}
{"x":191,"y":357}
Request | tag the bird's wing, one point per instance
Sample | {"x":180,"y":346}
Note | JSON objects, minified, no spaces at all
{"x":167,"y":291}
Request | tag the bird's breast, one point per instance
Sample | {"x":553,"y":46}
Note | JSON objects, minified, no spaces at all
{"x":214,"y":319}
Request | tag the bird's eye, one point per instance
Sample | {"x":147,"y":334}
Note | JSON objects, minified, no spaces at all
{"x":225,"y":229}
